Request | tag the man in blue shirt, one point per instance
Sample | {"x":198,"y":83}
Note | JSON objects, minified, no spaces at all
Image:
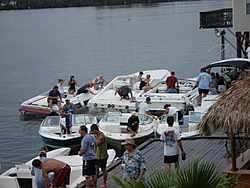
{"x":203,"y":81}
{"x":88,"y":153}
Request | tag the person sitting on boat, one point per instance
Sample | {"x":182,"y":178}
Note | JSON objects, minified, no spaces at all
{"x":40,"y":182}
{"x":144,"y":85}
{"x":99,"y":81}
{"x":67,"y":110}
{"x":60,"y":82}
{"x":123,"y":91}
{"x":133,"y":124}
{"x":72,"y":85}
{"x":139,"y":77}
{"x":53,"y":98}
{"x":171,"y":110}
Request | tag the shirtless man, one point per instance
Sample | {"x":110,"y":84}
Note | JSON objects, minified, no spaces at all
{"x":61,"y":172}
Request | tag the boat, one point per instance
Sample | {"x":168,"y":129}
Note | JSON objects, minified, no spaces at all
{"x":52,"y":133}
{"x":39,"y":104}
{"x":20,"y":177}
{"x":107,"y":101}
{"x":114,"y":126}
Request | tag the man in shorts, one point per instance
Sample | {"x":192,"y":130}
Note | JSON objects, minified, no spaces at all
{"x":61,"y":172}
{"x":123,"y":91}
{"x":203,"y":81}
{"x":88,"y":153}
{"x":171,"y":138}
{"x":101,"y":153}
{"x":53,"y":97}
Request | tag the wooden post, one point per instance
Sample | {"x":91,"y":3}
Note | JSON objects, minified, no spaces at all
{"x":233,"y":152}
{"x":238,"y":38}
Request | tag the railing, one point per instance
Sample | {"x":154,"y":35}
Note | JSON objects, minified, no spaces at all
{"x":217,"y":18}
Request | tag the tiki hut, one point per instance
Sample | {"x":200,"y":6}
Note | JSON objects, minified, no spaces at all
{"x":230,"y":113}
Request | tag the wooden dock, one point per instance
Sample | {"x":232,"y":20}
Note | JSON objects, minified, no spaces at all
{"x":211,"y":149}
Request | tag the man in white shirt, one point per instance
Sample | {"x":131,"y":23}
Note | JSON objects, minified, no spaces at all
{"x":171,"y":110}
{"x":248,"y":51}
{"x":171,"y":138}
{"x":143,"y":108}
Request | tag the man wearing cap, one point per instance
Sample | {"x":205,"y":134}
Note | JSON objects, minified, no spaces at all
{"x":133,"y":162}
{"x":88,"y":153}
{"x":67,"y":110}
{"x":171,"y":138}
{"x":101,"y":153}
{"x":123,"y":91}
{"x":143,"y":109}
{"x":133,"y":124}
{"x":53,"y":98}
{"x":99,"y":80}
{"x":40,"y":182}
{"x":139,"y":77}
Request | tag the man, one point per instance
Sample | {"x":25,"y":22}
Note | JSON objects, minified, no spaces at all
{"x":171,"y":81}
{"x":139,"y":77}
{"x":53,"y":98}
{"x":248,"y":51}
{"x":67,"y":110}
{"x":40,"y":182}
{"x":133,"y":124}
{"x":101,"y":154}
{"x":61,"y":172}
{"x":143,"y":108}
{"x":88,"y":154}
{"x":203,"y":82}
{"x":171,"y":138}
{"x":171,"y":110}
{"x":85,"y":89}
{"x":123,"y":91}
{"x":133,"y":162}
{"x":99,"y":81}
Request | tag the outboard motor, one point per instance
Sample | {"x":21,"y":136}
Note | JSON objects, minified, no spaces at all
{"x":187,"y":108}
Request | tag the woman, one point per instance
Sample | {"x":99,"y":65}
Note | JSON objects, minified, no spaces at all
{"x":144,"y":85}
{"x":72,"y":85}
{"x":60,"y":82}
{"x":221,"y":85}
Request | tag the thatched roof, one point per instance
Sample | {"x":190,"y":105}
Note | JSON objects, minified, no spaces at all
{"x":231,"y":111}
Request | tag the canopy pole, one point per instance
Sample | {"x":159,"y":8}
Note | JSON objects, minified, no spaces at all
{"x":233,"y":153}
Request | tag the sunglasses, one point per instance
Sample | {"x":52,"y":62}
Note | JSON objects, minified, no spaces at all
{"x":128,"y":145}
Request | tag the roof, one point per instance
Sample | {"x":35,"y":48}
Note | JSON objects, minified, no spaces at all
{"x":236,"y":62}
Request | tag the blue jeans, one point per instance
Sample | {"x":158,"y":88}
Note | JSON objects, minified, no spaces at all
{"x":171,"y":91}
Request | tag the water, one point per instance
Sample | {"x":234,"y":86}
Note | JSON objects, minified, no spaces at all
{"x":38,"y":46}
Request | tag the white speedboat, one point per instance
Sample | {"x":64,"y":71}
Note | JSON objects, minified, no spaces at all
{"x":40,"y":105}
{"x":114,"y":126}
{"x":52,"y":133}
{"x":107,"y":100}
{"x":20,"y":177}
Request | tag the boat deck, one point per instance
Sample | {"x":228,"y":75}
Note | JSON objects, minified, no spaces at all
{"x":206,"y":149}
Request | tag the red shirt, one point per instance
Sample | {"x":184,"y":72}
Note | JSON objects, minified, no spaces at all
{"x":171,"y":80}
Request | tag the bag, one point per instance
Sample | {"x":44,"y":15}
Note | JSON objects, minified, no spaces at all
{"x":183,"y":157}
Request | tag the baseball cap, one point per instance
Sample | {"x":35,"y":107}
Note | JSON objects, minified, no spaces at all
{"x":148,"y":99}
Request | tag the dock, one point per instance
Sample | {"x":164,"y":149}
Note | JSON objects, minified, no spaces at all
{"x":209,"y":149}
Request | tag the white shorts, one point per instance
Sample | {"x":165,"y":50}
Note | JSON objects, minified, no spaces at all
{"x":222,"y":88}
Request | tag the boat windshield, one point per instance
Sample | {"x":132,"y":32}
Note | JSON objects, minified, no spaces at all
{"x":145,"y":119}
{"x":195,"y":117}
{"x":51,"y":121}
{"x":82,"y":119}
{"x":112,"y":117}
{"x":164,"y":118}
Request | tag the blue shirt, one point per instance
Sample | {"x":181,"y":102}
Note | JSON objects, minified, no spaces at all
{"x":88,"y":144}
{"x":133,"y":164}
{"x":204,"y":79}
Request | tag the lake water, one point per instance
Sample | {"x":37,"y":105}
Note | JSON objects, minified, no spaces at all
{"x":38,"y":46}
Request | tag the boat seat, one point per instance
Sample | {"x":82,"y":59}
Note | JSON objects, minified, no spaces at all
{"x":136,"y":87}
{"x":6,"y":181}
{"x":162,"y":89}
{"x":113,"y":128}
{"x":23,"y":170}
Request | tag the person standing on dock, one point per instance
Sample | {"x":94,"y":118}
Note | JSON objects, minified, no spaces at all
{"x":101,"y":154}
{"x":172,"y":83}
{"x":40,"y":181}
{"x":61,"y":172}
{"x":67,"y":110}
{"x":133,"y":162}
{"x":88,"y":154}
{"x":171,"y":138}
{"x":203,"y":81}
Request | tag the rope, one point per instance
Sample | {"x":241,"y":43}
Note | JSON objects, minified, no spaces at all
{"x":10,"y":161}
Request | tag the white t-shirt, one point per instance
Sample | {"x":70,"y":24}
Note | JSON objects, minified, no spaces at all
{"x":172,"y":110}
{"x":170,"y":135}
{"x":248,"y":50}
{"x":143,"y":108}
{"x":60,"y":88}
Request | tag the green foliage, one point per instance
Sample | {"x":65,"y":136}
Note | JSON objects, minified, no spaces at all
{"x":194,"y":175}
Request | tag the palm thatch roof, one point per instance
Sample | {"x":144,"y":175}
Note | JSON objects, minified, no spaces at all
{"x":231,"y":112}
